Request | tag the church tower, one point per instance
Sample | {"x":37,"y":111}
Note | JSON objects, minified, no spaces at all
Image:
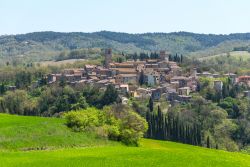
{"x":163,"y":55}
{"x":108,"y":57}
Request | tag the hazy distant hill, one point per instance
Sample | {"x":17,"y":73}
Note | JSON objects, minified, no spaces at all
{"x":47,"y":45}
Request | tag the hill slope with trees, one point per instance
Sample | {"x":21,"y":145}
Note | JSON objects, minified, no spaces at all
{"x":48,"y":45}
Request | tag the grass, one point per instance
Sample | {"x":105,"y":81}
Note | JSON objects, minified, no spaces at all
{"x":59,"y":63}
{"x":33,"y":131}
{"x":28,"y":133}
{"x":243,"y":55}
{"x":150,"y":153}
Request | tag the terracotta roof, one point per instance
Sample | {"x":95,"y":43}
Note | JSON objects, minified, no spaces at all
{"x":124,"y":69}
{"x":127,"y":75}
{"x":242,"y":77}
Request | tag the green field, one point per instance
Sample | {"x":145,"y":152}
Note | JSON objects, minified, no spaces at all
{"x":31,"y":133}
{"x":59,"y":63}
{"x":66,"y":148}
{"x":243,"y":55}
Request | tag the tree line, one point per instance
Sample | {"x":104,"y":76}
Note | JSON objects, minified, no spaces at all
{"x":166,"y":127}
{"x":53,"y":100}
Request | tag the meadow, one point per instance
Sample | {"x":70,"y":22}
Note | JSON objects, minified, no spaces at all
{"x":37,"y":133}
{"x":21,"y":136}
{"x":59,"y":63}
{"x":241,"y":55}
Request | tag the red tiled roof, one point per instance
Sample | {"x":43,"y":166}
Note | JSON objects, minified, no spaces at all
{"x":243,"y":77}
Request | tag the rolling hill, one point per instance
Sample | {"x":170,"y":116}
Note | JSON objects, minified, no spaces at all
{"x":47,"y":45}
{"x":36,"y":133}
{"x":61,"y":147}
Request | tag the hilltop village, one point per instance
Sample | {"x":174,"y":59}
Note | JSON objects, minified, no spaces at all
{"x":155,"y":78}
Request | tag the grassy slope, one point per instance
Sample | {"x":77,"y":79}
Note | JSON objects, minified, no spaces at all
{"x":24,"y":133}
{"x":19,"y":132}
{"x":244,"y":55}
{"x":151,"y":153}
{"x":59,"y":63}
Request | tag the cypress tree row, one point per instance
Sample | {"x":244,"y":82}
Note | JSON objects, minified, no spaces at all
{"x":165,"y":127}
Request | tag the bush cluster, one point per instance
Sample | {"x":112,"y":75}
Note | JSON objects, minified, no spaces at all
{"x":116,"y":122}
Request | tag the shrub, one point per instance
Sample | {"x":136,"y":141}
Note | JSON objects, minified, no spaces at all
{"x":131,"y":125}
{"x":83,"y":120}
{"x":118,"y":123}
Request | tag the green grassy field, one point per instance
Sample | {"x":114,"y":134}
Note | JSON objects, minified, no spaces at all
{"x":90,"y":151}
{"x":150,"y":153}
{"x":243,"y":55}
{"x":31,"y":133}
{"x":59,"y":63}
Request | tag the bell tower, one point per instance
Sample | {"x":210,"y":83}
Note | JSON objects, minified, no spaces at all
{"x":108,"y":57}
{"x":163,"y":55}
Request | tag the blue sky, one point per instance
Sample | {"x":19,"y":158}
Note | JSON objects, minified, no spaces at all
{"x":132,"y":16}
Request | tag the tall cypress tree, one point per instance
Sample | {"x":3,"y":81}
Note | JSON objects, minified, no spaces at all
{"x":217,"y":147}
{"x":166,"y":127}
{"x":2,"y":88}
{"x":151,"y":104}
{"x":181,"y":58}
{"x":141,"y":78}
{"x":208,"y":142}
